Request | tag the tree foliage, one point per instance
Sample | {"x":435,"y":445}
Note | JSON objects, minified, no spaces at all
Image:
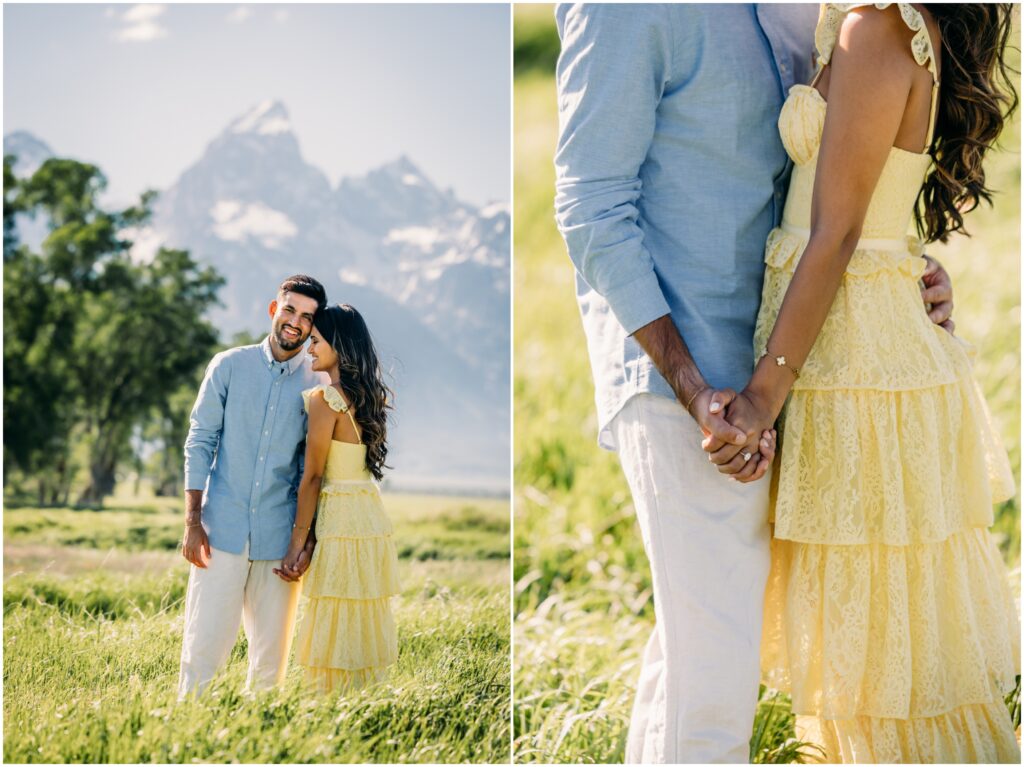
{"x":94,"y":340}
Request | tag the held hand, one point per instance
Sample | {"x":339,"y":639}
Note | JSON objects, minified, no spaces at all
{"x":760,"y":461}
{"x":305,"y":556}
{"x":289,"y":569}
{"x":195,"y":544}
{"x":938,"y":291}
{"x":708,"y":409}
{"x":746,"y":461}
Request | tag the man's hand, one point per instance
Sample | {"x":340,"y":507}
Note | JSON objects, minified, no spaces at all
{"x":708,"y":410}
{"x":938,"y":291}
{"x":195,"y":544}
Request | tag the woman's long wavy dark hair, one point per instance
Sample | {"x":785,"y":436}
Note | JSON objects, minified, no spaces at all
{"x":362,"y":378}
{"x":975,"y":98}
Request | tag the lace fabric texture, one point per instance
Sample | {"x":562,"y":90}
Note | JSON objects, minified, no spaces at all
{"x":347,"y":635}
{"x":888,"y":613}
{"x":969,"y":735}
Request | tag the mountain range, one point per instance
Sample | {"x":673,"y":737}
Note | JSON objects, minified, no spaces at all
{"x":430,"y":273}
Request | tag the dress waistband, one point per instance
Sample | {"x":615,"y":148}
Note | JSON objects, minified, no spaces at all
{"x":906,"y":244}
{"x":340,"y":484}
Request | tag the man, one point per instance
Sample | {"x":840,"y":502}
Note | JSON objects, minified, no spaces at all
{"x":670,"y":175}
{"x":245,"y":449}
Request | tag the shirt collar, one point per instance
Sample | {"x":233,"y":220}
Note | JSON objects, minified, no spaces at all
{"x":290,"y":365}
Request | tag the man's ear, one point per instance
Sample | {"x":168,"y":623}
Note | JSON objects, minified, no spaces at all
{"x":273,"y":308}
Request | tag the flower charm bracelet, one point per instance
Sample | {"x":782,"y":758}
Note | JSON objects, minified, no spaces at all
{"x":781,"y":362}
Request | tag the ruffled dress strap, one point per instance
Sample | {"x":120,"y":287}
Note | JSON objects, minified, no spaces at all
{"x":335,"y":401}
{"x":830,"y":21}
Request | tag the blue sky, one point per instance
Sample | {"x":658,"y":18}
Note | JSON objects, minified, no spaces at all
{"x":140,"y":90}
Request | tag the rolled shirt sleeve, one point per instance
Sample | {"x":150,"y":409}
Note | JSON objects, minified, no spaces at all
{"x":611,"y":73}
{"x":206,"y":423}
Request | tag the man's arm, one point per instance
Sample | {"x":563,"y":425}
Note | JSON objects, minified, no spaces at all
{"x":613,"y":68}
{"x":611,"y":73}
{"x":206,"y":423}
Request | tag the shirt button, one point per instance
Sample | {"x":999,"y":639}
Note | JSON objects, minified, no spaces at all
{"x":271,"y":407}
{"x":257,"y":484}
{"x":253,"y":510}
{"x":266,"y":432}
{"x":262,"y":457}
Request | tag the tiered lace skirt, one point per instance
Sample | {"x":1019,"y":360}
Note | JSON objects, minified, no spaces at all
{"x":347,"y":633}
{"x":888,"y":613}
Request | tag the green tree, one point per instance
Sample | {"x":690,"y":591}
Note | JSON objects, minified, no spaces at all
{"x":139,"y":341}
{"x":39,"y":308}
{"x":94,"y":341}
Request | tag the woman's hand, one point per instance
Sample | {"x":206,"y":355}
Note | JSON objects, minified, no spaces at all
{"x":291,"y":565}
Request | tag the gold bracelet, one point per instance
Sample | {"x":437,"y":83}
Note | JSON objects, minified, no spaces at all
{"x":296,"y":527}
{"x":700,"y":391}
{"x":781,"y":362}
{"x":194,"y":524}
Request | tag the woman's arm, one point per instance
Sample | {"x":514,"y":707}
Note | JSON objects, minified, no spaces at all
{"x":873,"y":71}
{"x":320,"y":429}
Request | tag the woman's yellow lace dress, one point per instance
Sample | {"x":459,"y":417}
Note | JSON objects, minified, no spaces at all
{"x":888,"y":613}
{"x":347,"y":636}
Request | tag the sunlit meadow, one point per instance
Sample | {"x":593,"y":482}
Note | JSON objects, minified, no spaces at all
{"x":93,"y":616}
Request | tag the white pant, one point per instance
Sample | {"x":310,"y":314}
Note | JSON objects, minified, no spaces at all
{"x":233,"y":589}
{"x":707,"y":541}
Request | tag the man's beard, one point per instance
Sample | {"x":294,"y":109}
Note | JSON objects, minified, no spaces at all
{"x":284,"y":343}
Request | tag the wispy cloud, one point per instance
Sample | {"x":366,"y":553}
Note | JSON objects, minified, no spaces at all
{"x":281,"y":15}
{"x":239,"y":14}
{"x":141,"y":23}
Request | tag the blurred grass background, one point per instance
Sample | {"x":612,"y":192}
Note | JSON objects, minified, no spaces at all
{"x":93,"y":619}
{"x":583,"y":607}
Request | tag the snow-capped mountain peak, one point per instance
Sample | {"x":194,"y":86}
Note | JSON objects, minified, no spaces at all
{"x":405,"y":171}
{"x":268,"y":118}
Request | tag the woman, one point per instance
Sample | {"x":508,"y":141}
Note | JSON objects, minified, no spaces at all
{"x":888,"y":612}
{"x":347,"y":635}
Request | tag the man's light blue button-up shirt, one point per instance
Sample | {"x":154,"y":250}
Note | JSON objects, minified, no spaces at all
{"x":670,"y":175}
{"x":245,"y":448}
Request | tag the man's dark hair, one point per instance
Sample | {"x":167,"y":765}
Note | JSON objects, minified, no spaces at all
{"x":305,"y":285}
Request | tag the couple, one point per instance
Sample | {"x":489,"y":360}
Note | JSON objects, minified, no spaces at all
{"x":280,"y":463}
{"x":691,"y":136}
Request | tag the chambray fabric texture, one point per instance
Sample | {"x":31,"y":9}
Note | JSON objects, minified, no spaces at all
{"x":670,"y":174}
{"x":245,"y":448}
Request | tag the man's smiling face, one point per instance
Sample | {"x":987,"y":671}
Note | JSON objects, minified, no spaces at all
{"x":292,"y":319}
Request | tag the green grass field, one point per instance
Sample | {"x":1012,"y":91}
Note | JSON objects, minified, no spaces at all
{"x":582,"y":586}
{"x":93,"y":604}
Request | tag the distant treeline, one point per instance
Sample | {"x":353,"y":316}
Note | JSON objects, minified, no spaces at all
{"x":536,"y":46}
{"x":102,"y":352}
